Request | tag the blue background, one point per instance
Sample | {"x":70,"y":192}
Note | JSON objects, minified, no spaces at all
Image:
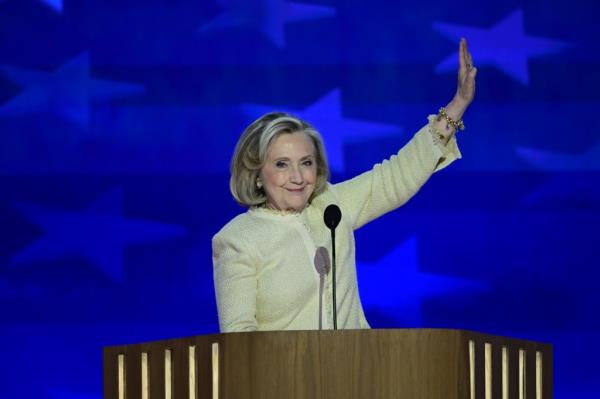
{"x":118,"y":120}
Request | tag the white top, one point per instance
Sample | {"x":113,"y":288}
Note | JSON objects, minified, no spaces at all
{"x":264,"y":272}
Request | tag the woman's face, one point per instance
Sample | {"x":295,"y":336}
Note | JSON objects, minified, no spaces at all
{"x":290,"y":172}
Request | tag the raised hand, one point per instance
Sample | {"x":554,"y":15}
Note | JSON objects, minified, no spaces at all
{"x":466,"y":74}
{"x":465,"y":93}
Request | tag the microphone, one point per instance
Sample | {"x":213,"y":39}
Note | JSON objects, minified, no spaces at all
{"x":323,"y":265}
{"x":332,"y":217}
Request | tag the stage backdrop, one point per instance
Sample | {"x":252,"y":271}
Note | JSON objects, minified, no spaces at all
{"x":118,"y":120}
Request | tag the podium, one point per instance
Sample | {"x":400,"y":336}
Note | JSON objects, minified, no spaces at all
{"x":348,"y":364}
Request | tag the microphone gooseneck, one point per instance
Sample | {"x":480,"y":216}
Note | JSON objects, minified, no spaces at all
{"x":323,"y":265}
{"x":332,"y":217}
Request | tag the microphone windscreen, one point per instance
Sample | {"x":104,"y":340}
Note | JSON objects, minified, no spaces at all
{"x":322,"y":263}
{"x":332,"y":216}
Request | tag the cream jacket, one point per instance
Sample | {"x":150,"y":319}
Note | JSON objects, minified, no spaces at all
{"x":264,"y":271}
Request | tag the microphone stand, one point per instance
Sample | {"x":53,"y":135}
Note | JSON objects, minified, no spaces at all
{"x":332,"y":217}
{"x":333,"y":277}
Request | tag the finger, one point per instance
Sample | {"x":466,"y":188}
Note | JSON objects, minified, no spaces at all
{"x":461,"y":56}
{"x":467,"y":55}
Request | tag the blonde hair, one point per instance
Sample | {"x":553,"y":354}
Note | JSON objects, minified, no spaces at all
{"x":252,"y":148}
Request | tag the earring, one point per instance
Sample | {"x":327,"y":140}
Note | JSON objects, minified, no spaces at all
{"x":258,"y":184}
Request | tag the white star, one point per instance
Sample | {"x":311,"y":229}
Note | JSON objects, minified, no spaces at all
{"x":267,"y":16}
{"x":505,"y":46}
{"x":98,"y":233}
{"x":66,"y":91}
{"x":56,"y":5}
{"x":396,"y":284}
{"x":554,"y":161}
{"x":563,"y":186}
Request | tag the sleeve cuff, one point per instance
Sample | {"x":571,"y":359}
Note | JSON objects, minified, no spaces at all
{"x":446,"y":154}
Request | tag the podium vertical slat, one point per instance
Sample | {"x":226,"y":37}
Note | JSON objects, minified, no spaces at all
{"x":488,"y":349}
{"x":471,"y":369}
{"x":505,"y":372}
{"x":168,"y":367}
{"x":192,"y":372}
{"x":145,"y":375}
{"x":121,"y":376}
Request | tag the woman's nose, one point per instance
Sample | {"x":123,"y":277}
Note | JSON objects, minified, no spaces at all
{"x":296,"y":176}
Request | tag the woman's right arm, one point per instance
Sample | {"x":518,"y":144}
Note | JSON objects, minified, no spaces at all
{"x":235,"y":285}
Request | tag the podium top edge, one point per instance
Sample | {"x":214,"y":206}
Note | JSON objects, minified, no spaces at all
{"x":218,"y":337}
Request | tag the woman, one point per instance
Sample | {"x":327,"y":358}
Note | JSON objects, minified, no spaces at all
{"x":263,"y":259}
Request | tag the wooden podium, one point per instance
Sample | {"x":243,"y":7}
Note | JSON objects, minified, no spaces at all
{"x":344,"y":364}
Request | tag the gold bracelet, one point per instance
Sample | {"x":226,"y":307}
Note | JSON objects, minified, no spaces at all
{"x":457,"y":125}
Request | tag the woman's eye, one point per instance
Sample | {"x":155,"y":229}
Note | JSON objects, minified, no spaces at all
{"x":280,"y":164}
{"x":308,"y":162}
